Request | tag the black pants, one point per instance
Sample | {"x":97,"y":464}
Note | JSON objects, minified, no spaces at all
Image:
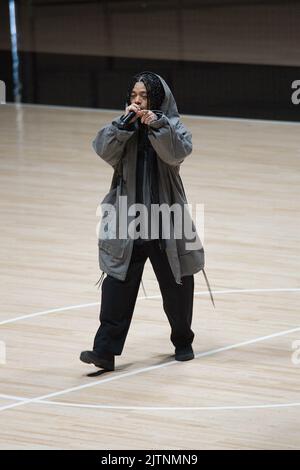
{"x":119,"y":298}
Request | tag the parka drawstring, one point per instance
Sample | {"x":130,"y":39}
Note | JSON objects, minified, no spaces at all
{"x":100,"y":280}
{"x":145,"y":293}
{"x":208,"y":286}
{"x":207,"y":283}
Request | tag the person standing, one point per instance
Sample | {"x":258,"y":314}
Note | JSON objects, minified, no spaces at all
{"x":146,"y":154}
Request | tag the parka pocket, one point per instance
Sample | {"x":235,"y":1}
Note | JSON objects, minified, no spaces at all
{"x":114,"y":247}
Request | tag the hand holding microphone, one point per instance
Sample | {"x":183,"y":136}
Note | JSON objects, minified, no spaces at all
{"x":130,"y":115}
{"x":133,"y":112}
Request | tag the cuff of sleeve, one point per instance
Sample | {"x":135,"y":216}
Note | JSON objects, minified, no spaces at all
{"x":160,"y":122}
{"x":128,"y":127}
{"x":123,"y":132}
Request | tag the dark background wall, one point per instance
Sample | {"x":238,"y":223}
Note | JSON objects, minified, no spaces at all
{"x":225,"y":58}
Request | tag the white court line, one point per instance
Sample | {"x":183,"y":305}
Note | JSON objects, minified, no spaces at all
{"x":11,"y":397}
{"x":215,"y":292}
{"x":45,"y":312}
{"x":172,"y":408}
{"x":158,"y":408}
{"x":145,"y":369}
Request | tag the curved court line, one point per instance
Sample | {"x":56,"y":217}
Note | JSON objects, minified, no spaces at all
{"x":171,"y":408}
{"x":11,"y":397}
{"x":145,"y":369}
{"x":45,"y":312}
{"x":158,"y":408}
{"x":92,"y":304}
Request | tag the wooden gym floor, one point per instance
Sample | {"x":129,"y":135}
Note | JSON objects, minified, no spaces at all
{"x":242,"y":389}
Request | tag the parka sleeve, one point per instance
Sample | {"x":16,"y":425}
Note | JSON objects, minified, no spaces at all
{"x":172,"y":143}
{"x":110,"y":141}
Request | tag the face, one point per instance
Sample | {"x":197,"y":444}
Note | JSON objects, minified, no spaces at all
{"x":139,"y":95}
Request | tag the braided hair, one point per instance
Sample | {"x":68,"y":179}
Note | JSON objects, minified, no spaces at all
{"x":154,"y":87}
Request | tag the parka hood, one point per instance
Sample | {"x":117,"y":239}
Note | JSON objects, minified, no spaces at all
{"x":168,"y":105}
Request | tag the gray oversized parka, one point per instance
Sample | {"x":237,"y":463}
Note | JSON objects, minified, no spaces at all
{"x":172,"y":143}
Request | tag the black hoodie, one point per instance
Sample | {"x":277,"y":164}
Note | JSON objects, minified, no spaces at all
{"x":146,"y":167}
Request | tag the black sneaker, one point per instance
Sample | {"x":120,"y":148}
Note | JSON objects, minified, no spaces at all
{"x":184,"y":354}
{"x":106,"y":363}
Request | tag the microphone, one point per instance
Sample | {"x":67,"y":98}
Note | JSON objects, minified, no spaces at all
{"x":125,"y":120}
